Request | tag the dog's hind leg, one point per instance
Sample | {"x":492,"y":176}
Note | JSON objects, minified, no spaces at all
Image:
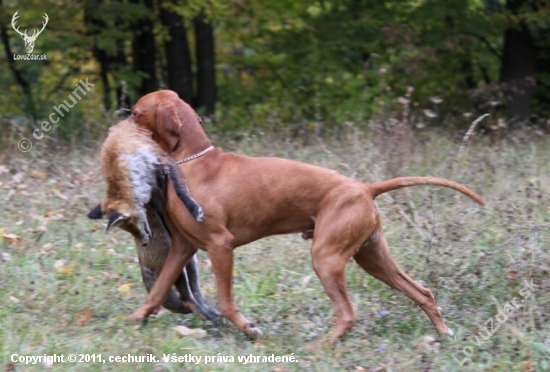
{"x":334,"y":243}
{"x":375,"y":258}
{"x":330,"y":268}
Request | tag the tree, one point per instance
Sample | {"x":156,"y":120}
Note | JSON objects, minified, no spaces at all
{"x":94,"y":25}
{"x":177,"y":52}
{"x":144,"y":50}
{"x":518,"y":66}
{"x":206,"y":64}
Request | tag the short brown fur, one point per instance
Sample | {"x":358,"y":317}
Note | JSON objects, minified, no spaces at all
{"x":248,"y":198}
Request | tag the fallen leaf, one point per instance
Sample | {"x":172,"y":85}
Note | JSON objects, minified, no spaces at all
{"x":186,"y":332}
{"x":46,"y":248}
{"x":48,"y":363}
{"x":125,"y":287}
{"x":524,"y":366}
{"x":313,"y":347}
{"x":18,"y":177}
{"x":38,"y":174}
{"x":428,"y":344}
{"x":6,"y":256}
{"x":65,"y":270}
{"x":511,"y":274}
{"x":58,"y":264}
{"x":83,"y":317}
{"x":15,"y":300}
{"x":159,"y":367}
{"x":306,"y":281}
{"x":11,"y":238}
{"x":60,"y":195}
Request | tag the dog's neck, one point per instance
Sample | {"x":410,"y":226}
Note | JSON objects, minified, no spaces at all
{"x":193,"y":141}
{"x":194,"y":156}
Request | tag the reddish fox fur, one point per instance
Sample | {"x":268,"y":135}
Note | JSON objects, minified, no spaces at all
{"x":132,"y":165}
{"x":135,"y":169}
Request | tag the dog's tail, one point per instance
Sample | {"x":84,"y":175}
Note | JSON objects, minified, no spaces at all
{"x":183,"y":192}
{"x":381,"y":187}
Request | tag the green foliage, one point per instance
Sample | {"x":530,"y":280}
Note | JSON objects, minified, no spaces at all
{"x":310,"y":65}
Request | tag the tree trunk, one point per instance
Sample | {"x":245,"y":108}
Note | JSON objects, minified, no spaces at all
{"x":144,"y":50}
{"x":206,"y":65}
{"x":178,"y":54}
{"x":93,"y":27}
{"x":123,"y":96}
{"x":119,"y":64}
{"x":542,"y":90}
{"x":518,"y":66}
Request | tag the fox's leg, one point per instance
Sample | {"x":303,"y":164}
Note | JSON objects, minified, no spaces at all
{"x":179,"y":254}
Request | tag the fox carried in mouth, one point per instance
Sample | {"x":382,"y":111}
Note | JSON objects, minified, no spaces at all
{"x":136,"y":170}
{"x":133,"y":165}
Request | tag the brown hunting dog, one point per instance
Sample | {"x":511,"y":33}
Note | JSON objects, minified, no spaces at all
{"x":135,"y":169}
{"x":246,"y":198}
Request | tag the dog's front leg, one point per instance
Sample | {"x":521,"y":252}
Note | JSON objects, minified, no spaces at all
{"x":221,"y":256}
{"x":179,"y":254}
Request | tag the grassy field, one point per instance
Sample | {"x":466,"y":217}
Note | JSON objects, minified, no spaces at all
{"x":66,"y":286}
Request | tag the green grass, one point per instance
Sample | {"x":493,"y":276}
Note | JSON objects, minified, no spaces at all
{"x":467,"y":255}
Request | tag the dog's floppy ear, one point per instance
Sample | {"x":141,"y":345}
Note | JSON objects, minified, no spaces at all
{"x":168,"y":125}
{"x":96,"y":213}
{"x":114,"y":218}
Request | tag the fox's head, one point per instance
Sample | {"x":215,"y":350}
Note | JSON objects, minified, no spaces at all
{"x":124,"y":216}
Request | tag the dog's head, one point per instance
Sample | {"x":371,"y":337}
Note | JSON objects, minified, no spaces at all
{"x":124,"y":216}
{"x":169,"y":119}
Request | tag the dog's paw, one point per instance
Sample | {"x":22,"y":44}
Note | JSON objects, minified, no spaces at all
{"x":253,"y":332}
{"x":139,"y":316}
{"x":451,"y":334}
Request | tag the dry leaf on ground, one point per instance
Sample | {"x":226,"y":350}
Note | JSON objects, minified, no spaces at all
{"x":83,"y":317}
{"x":189,"y":332}
{"x":11,"y":238}
{"x":38,"y":174}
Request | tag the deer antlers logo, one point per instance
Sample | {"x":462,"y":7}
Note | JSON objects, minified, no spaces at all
{"x":29,"y":40}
